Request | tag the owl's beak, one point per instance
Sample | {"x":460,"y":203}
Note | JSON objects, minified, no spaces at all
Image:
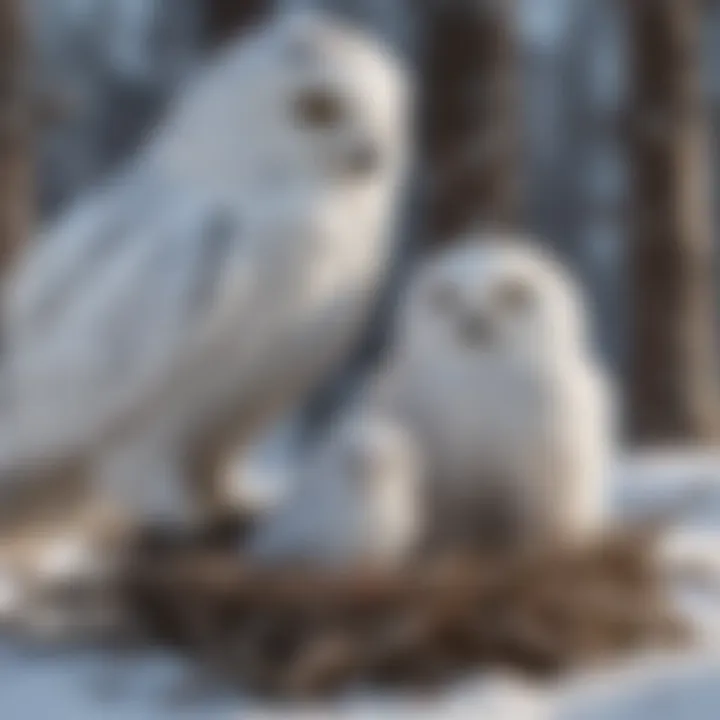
{"x":362,"y":160}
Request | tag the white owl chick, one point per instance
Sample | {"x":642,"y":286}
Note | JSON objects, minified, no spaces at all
{"x":359,"y":501}
{"x":216,"y":280}
{"x":492,"y":373}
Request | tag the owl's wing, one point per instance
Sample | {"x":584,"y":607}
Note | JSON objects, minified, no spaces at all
{"x":103,"y":301}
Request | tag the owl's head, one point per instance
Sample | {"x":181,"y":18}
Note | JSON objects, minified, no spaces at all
{"x":493,"y":298}
{"x":304,"y":102}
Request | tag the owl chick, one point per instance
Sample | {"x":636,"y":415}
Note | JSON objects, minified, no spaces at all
{"x":358,"y":501}
{"x":215,"y":281}
{"x":492,"y":374}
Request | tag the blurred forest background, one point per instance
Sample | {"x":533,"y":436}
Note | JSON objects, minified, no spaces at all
{"x":589,"y":123}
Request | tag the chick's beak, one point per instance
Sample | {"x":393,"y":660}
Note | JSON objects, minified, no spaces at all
{"x":476,"y":330}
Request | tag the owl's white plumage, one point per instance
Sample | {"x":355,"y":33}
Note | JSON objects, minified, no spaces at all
{"x":491,"y":371}
{"x":357,"y":501}
{"x":221,"y":275}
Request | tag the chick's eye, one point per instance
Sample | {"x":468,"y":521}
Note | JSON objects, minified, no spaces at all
{"x":515,"y":297}
{"x":318,"y":109}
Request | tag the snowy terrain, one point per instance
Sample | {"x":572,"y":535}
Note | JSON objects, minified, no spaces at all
{"x":680,"y":687}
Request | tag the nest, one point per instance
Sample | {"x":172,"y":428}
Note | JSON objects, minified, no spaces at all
{"x":299,"y":632}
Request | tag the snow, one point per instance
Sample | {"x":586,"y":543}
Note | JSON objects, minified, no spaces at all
{"x":681,"y":686}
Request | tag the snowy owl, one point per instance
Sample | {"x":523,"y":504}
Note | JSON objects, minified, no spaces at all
{"x":358,"y":501}
{"x":492,"y":373}
{"x":217,"y":279}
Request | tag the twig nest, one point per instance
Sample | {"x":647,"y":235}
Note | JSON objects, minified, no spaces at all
{"x":299,"y":631}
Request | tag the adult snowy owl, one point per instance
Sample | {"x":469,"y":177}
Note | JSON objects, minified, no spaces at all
{"x":357,"y":501}
{"x":493,"y":376}
{"x":217,"y":279}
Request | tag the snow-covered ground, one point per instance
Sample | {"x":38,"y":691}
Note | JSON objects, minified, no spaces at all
{"x":684,"y":686}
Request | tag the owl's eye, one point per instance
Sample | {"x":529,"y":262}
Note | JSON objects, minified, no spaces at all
{"x":514,"y":297}
{"x":318,"y":109}
{"x":444,"y":299}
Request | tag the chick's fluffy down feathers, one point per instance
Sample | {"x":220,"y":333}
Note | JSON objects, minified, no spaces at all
{"x":493,"y":375}
{"x":357,"y":501}
{"x":487,"y":426}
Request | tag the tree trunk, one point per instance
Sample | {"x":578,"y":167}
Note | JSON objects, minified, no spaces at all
{"x":16,"y":187}
{"x":673,"y":379}
{"x":227,"y":18}
{"x":470,"y":134}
